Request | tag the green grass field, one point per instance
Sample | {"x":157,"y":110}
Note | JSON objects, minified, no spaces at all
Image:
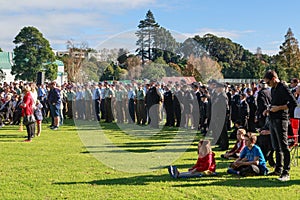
{"x":58,"y":165}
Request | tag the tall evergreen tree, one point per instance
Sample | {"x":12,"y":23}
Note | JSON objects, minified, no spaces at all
{"x":290,"y":55}
{"x":145,"y":34}
{"x":33,"y":54}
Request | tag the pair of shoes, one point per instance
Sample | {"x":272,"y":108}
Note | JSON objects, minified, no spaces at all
{"x":54,"y":128}
{"x":232,"y":171}
{"x":27,"y":140}
{"x":275,"y":173}
{"x":173,"y":171}
{"x":284,"y":177}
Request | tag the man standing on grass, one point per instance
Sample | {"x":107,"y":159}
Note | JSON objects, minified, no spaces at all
{"x":282,"y":101}
{"x":54,"y":102}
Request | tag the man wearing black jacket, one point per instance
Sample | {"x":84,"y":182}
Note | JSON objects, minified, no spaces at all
{"x":282,"y":101}
{"x":263,"y":100}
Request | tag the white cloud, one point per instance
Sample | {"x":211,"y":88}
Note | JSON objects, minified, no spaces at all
{"x":34,"y":5}
{"x":61,"y":20}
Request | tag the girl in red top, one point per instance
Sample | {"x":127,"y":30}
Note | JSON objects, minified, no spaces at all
{"x":205,"y":164}
{"x":27,"y":109}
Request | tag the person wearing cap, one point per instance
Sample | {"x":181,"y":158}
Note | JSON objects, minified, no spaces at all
{"x":70,"y":101}
{"x":119,"y":95}
{"x":196,"y":105}
{"x":262,"y":101}
{"x":178,"y":99}
{"x":252,"y":110}
{"x":131,"y":95}
{"x":244,"y":111}
{"x":219,"y":114}
{"x":140,"y":105}
{"x":109,"y":94}
{"x":102,"y":95}
{"x":168,"y":105}
{"x":88,"y":95}
{"x":153,"y":97}
{"x":203,"y":114}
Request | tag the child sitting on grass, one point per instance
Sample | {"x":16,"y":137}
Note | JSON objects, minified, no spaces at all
{"x":238,"y":147}
{"x":251,"y":161}
{"x":206,"y":163}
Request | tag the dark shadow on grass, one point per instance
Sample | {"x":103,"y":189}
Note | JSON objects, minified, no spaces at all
{"x":136,"y":180}
{"x":191,"y":182}
{"x":240,"y":182}
{"x":11,"y":136}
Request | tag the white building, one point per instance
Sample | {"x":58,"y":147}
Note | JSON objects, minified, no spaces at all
{"x":6,"y":63}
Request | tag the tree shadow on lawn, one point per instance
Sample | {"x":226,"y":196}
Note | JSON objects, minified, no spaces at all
{"x":11,"y":137}
{"x":219,"y":180}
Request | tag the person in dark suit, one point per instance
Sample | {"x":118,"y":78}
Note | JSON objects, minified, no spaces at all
{"x":219,"y":113}
{"x":153,"y":97}
{"x":252,"y":110}
{"x":244,"y":111}
{"x":168,"y":105}
{"x":263,"y":100}
{"x":178,"y":107}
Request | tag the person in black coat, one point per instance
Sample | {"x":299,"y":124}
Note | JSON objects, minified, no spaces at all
{"x":263,"y":100}
{"x":252,"y":108}
{"x":244,"y":111}
{"x":153,"y":97}
{"x":219,"y":114}
{"x":234,"y":105}
{"x":177,"y":103}
{"x":168,"y":105}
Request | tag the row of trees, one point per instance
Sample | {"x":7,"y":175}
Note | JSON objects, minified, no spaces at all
{"x":158,"y":54}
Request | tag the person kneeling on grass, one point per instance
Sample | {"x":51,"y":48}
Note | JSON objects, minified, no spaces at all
{"x":205,"y":165}
{"x":234,"y":153}
{"x":251,"y":161}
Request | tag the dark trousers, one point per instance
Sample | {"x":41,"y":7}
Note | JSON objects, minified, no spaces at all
{"x":131,"y":111}
{"x":279,"y":137}
{"x":70,"y":109}
{"x":102,"y":108}
{"x":97,"y":109}
{"x":141,"y":114}
{"x":30,"y":130}
{"x":250,"y":170}
{"x":169,"y":115}
{"x":177,"y":112}
{"x":265,"y":144}
{"x":108,"y":110}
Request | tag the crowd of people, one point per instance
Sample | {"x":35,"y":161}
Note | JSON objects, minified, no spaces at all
{"x":252,"y":107}
{"x":274,"y":108}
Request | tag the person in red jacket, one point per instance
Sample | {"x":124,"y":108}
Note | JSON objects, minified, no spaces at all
{"x":27,"y":109}
{"x":205,"y":164}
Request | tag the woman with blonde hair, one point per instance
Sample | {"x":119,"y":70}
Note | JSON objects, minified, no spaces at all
{"x":205,"y":164}
{"x":27,"y":113}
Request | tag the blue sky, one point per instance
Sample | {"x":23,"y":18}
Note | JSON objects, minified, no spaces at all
{"x":250,"y":23}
